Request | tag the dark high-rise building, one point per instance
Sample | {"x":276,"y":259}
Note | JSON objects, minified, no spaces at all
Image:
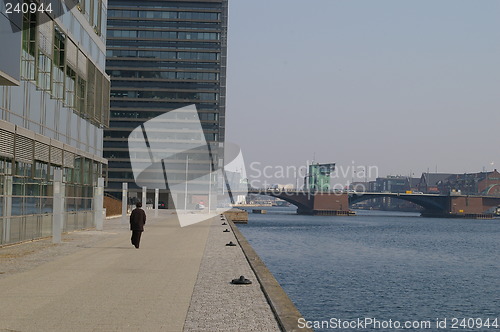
{"x":161,"y":56}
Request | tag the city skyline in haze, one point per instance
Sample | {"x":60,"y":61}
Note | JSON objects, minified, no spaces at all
{"x":406,"y":86}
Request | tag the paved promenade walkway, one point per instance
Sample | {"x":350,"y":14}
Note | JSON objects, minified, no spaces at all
{"x":97,"y":281}
{"x":216,"y":304}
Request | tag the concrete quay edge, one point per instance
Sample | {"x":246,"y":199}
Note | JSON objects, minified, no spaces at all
{"x":284,"y":309}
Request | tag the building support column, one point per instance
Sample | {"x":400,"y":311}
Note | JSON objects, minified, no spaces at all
{"x":58,"y":211}
{"x":7,"y":208}
{"x":99,"y":204}
{"x":124,"y":202}
{"x":144,"y":192}
{"x":157,"y":196}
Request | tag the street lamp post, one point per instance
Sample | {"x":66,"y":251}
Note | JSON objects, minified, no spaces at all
{"x":186,"y":184}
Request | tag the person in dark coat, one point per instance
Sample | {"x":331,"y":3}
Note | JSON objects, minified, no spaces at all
{"x":137,"y":222}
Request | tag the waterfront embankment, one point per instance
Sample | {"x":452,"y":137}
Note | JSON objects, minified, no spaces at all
{"x":97,"y":281}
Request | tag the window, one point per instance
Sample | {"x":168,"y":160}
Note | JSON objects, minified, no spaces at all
{"x":29,"y":46}
{"x":96,"y":12}
{"x":59,"y":62}
{"x":41,"y":170}
{"x":87,"y":172}
{"x":88,"y":9}
{"x":69,"y":97}
{"x":43,"y":71}
{"x":80,"y":95}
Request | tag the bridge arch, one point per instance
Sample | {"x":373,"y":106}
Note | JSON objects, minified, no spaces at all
{"x":300,"y":200}
{"x":428,"y":203}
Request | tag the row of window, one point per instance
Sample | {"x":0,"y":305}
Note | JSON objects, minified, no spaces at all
{"x":123,"y":144}
{"x":169,"y":75}
{"x":163,"y":34}
{"x":168,"y":44}
{"x":164,"y":14}
{"x":163,"y":55}
{"x":44,"y":189}
{"x":166,"y":25}
{"x":157,"y":103}
{"x":57,"y":66}
{"x":126,"y":155}
{"x":33,"y":205}
{"x":164,"y":95}
{"x":162,"y":127}
{"x":149,"y":115}
{"x":161,"y":65}
{"x":84,"y":172}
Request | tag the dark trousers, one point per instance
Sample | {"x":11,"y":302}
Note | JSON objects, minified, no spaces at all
{"x":136,"y":238}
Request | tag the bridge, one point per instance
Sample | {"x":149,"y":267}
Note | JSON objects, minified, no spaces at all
{"x":339,"y":202}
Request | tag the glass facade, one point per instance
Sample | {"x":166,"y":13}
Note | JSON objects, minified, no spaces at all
{"x":54,"y":120}
{"x":161,"y":56}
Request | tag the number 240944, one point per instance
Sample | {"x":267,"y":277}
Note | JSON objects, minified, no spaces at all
{"x":25,"y":8}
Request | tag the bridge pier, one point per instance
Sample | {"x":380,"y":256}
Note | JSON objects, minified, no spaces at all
{"x":316,"y":203}
{"x":331,"y":204}
{"x":472,"y":207}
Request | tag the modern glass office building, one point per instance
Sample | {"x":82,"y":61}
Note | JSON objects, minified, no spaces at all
{"x":161,"y":56}
{"x":54,"y":105}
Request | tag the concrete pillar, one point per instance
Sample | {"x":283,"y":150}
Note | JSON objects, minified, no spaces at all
{"x":210,"y":190}
{"x":124,"y":202}
{"x":157,"y":196}
{"x":99,"y":204}
{"x":58,"y":211}
{"x":7,"y":208}
{"x":144,"y":192}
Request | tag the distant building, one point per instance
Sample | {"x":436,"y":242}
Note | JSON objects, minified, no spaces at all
{"x":413,"y":184}
{"x":486,"y":183}
{"x":393,"y":184}
{"x":318,"y":178}
{"x":429,"y":182}
{"x":361,"y":186}
{"x":54,"y":103}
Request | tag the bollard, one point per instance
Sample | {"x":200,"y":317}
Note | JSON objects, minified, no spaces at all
{"x":241,"y":281}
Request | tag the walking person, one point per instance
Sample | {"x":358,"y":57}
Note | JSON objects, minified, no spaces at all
{"x":137,"y":222}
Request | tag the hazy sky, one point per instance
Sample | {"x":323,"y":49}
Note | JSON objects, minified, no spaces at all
{"x":402,"y":85}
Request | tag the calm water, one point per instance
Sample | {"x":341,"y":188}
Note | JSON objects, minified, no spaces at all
{"x":383,"y":265}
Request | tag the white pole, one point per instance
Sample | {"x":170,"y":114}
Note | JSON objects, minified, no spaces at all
{"x":144,"y":191}
{"x":210,"y":188}
{"x":296,"y":180}
{"x":98,"y":204}
{"x":157,"y":194}
{"x":124,"y":202}
{"x":186,"y":185}
{"x":223,"y":180}
{"x":7,"y":208}
{"x":58,"y":210}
